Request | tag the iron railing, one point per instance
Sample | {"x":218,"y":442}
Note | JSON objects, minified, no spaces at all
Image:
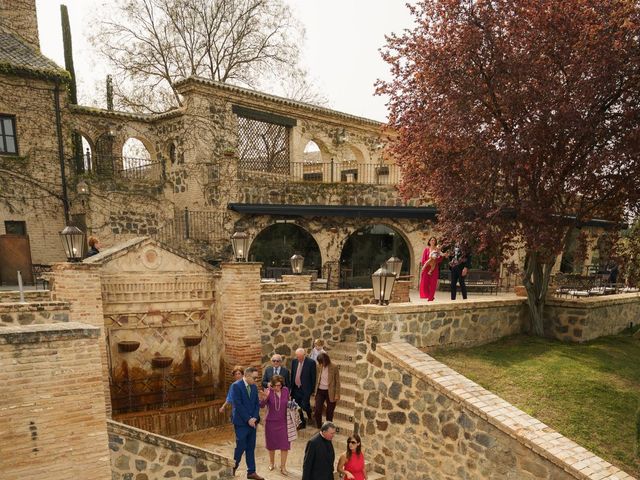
{"x":330,"y":172}
{"x":196,"y":225}
{"x":122,"y":167}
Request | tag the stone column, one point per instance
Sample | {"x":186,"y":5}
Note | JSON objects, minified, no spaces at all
{"x":241,"y":309}
{"x":81,"y":286}
{"x":299,"y":283}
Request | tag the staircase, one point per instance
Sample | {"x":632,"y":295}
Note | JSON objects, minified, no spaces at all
{"x":343,"y":354}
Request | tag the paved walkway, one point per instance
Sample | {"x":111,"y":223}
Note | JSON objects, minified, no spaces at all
{"x":221,"y":440}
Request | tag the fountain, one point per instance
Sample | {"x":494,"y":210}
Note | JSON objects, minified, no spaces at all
{"x":189,"y":342}
{"x":162,"y":363}
{"x":128,"y":346}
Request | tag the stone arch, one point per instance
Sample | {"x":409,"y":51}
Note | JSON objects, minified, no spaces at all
{"x":275,"y":243}
{"x":360,"y":258}
{"x":353,"y":168}
{"x":84,"y":157}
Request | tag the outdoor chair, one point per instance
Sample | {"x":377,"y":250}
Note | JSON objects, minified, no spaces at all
{"x":40,"y":272}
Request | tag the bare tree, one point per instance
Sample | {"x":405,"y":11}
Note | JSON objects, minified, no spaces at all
{"x":154,"y":43}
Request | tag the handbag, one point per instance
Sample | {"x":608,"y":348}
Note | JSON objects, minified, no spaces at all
{"x":293,"y":420}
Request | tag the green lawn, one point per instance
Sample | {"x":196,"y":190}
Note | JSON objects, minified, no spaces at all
{"x":589,"y":393}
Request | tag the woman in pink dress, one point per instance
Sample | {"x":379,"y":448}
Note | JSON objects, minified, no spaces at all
{"x":275,"y":429}
{"x":430,"y":270}
{"x":351,"y":463}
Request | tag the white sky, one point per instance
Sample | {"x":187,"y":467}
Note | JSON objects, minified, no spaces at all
{"x":341,"y":50}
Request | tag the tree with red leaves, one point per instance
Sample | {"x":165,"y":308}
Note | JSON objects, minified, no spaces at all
{"x":520,"y":120}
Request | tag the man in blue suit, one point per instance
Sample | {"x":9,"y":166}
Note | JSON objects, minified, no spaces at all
{"x":303,"y":382}
{"x":245,"y":418}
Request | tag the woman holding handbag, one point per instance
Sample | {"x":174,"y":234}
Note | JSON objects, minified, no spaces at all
{"x":275,"y":429}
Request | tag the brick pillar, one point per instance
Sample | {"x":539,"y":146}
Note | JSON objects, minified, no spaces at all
{"x":400,"y":292}
{"x":241,"y":310}
{"x":299,"y":283}
{"x":81,"y":286}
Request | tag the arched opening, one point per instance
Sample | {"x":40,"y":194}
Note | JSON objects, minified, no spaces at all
{"x":314,"y":166}
{"x":275,"y":245}
{"x":368,"y":248}
{"x":83,"y":152}
{"x":352,"y":164}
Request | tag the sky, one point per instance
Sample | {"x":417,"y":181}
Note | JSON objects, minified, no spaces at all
{"x":341,"y":52}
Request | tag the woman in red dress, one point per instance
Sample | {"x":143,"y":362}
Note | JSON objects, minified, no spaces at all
{"x":430,"y":270}
{"x":351,"y":463}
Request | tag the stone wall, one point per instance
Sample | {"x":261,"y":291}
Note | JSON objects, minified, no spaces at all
{"x":434,"y":325}
{"x":52,"y":405}
{"x":140,"y":455}
{"x":582,"y":319}
{"x":12,"y":314}
{"x":420,"y":419}
{"x":294,"y":319}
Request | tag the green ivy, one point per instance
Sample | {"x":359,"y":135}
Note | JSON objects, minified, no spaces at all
{"x":37,"y":73}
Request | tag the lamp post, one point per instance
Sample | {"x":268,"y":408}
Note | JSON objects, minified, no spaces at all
{"x":382,"y":281}
{"x":240,"y":244}
{"x":73,"y":242}
{"x":297,"y":262}
{"x":395,"y":265}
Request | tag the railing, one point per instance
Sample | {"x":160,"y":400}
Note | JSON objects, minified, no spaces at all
{"x":126,"y":168}
{"x":330,"y":172}
{"x":192,"y":225}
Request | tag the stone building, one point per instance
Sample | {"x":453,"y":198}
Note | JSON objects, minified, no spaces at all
{"x":291,"y":174}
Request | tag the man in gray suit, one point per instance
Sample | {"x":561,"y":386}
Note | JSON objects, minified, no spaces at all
{"x":276,"y":368}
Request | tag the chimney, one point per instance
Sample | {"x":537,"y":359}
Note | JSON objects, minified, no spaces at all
{"x":18,"y":17}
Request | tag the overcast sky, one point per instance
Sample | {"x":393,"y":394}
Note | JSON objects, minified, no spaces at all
{"x":341,"y":50}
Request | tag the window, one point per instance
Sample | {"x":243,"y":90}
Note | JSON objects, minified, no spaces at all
{"x":15,"y":227}
{"x":8,"y":141}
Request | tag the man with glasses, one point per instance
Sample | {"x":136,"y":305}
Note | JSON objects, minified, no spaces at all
{"x":319,"y":454}
{"x":245,"y":418}
{"x":276,"y":368}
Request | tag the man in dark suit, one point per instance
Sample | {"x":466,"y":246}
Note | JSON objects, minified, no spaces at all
{"x":245,"y":418}
{"x":276,"y":368}
{"x":303,"y":381}
{"x":319,"y":454}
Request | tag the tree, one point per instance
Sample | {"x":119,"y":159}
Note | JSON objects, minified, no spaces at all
{"x":519,"y":119}
{"x":154,"y":43}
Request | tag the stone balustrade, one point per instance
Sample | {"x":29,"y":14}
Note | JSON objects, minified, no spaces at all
{"x":420,"y":416}
{"x":433,"y":325}
{"x":141,"y":455}
{"x":582,"y":319}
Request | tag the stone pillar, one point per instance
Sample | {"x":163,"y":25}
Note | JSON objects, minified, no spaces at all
{"x":80,"y":285}
{"x":241,"y":309}
{"x":299,"y":283}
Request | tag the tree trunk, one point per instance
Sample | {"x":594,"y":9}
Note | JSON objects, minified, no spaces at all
{"x":536,"y":281}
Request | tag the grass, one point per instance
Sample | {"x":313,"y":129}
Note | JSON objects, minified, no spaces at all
{"x":588,"y":392}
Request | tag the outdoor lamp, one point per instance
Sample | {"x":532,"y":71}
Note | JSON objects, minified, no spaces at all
{"x":395,"y":265}
{"x":297,"y":261}
{"x":382,"y":281}
{"x":82,"y":188}
{"x":73,"y":241}
{"x":240,"y":244}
